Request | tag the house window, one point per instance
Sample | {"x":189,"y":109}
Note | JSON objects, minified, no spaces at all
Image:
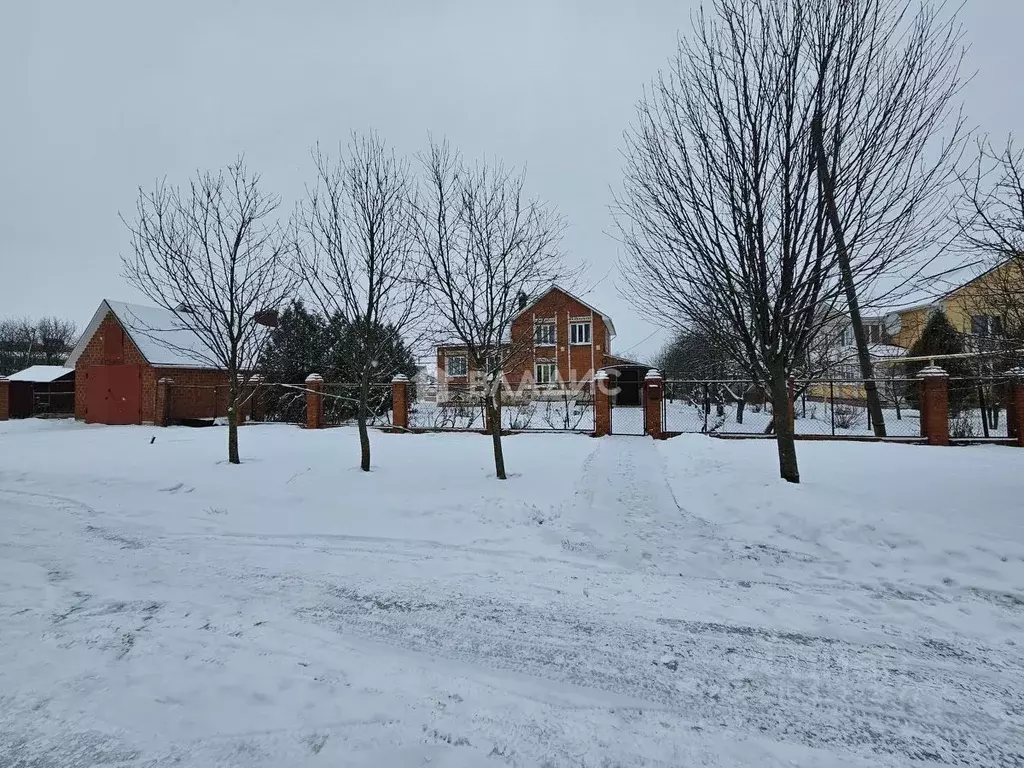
{"x":579,"y":333}
{"x":874,"y":332}
{"x":987,"y":325}
{"x":492,"y":364}
{"x":544,"y":334}
{"x":546,"y":373}
{"x":455,"y":365}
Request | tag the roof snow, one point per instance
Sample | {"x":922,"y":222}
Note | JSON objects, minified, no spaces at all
{"x":41,"y":374}
{"x":159,"y":334}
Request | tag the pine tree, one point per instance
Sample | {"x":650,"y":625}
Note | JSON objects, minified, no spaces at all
{"x":299,"y":346}
{"x":938,"y":338}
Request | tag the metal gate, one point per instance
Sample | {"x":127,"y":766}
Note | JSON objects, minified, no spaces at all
{"x":114,"y":394}
{"x":628,"y":419}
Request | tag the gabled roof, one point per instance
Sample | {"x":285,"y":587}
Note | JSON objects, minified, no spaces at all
{"x":554,"y":287}
{"x":158,"y":333}
{"x":41,"y":374}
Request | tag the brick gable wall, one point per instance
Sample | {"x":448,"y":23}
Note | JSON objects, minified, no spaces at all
{"x":194,"y":396}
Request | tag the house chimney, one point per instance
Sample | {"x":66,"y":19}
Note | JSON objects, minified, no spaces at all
{"x":522,"y":300}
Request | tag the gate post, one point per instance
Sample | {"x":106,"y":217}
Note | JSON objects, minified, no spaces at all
{"x":654,"y":387}
{"x":314,"y":401}
{"x":934,"y":405}
{"x":5,"y":399}
{"x":400,"y":402}
{"x":1015,"y":406}
{"x":162,"y":411}
{"x":602,"y":405}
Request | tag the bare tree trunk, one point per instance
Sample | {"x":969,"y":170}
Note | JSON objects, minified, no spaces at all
{"x":843,"y":257}
{"x":364,"y":435}
{"x":233,"y":417}
{"x":493,"y":405}
{"x":784,"y":441}
{"x":739,"y":407}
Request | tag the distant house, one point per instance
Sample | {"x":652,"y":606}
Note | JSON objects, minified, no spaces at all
{"x":41,"y":390}
{"x":981,"y":307}
{"x":125,"y":350}
{"x":556,"y":343}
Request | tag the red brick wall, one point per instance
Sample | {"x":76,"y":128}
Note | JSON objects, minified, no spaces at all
{"x":194,"y":399}
{"x":195,"y":394}
{"x":575,"y":361}
{"x":101,"y":350}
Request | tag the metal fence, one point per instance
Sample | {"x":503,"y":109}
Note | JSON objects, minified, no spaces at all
{"x":732,"y":406}
{"x":839,"y":408}
{"x":454,"y":408}
{"x":547,"y":410}
{"x":525,"y":410}
{"x":280,"y":403}
{"x":341,"y":404}
{"x":827,"y":407}
{"x":977,"y":407}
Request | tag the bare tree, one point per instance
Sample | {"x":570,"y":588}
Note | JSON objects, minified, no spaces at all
{"x":991,"y":219}
{"x":25,"y":342}
{"x":885,"y":144}
{"x":214,"y":257}
{"x":357,"y":257}
{"x":720,"y":213}
{"x":723,"y":215}
{"x":485,"y":245}
{"x":56,"y":337}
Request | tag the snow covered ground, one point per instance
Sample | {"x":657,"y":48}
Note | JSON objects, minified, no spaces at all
{"x":616,"y":602}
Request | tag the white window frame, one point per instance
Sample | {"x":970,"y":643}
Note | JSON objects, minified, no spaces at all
{"x":573,"y":335}
{"x":553,"y":335}
{"x":449,"y":359}
{"x":552,"y":377}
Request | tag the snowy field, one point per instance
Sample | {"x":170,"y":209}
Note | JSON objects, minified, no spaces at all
{"x":618,"y":602}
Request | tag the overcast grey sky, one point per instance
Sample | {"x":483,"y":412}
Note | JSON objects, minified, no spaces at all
{"x":98,"y":97}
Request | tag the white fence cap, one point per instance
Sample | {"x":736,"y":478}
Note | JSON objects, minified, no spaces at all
{"x":931,"y":371}
{"x":314,"y":377}
{"x":601,"y":375}
{"x":400,"y":378}
{"x":654,"y":373}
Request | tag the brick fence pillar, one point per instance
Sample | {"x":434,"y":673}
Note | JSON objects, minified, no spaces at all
{"x":162,"y":411}
{"x":5,"y":399}
{"x":1015,"y":406}
{"x":654,"y":390}
{"x":934,"y":405}
{"x":400,"y":401}
{"x":314,"y":401}
{"x":602,"y":405}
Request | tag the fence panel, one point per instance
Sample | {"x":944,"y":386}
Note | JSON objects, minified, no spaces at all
{"x":197,"y":402}
{"x":455,"y":408}
{"x":558,"y":411}
{"x":727,"y":407}
{"x":977,"y":407}
{"x":279,"y":403}
{"x":839,"y":407}
{"x":341,"y":404}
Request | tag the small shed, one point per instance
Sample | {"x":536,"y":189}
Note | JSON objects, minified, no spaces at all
{"x":125,"y":350}
{"x":42,"y":390}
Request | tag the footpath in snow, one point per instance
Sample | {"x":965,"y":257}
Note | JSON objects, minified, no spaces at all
{"x":616,"y":602}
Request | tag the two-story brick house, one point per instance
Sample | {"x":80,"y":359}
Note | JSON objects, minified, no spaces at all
{"x":556,"y":342}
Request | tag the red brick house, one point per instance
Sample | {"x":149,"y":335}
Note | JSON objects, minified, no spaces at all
{"x":556,"y":342}
{"x":125,"y":350}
